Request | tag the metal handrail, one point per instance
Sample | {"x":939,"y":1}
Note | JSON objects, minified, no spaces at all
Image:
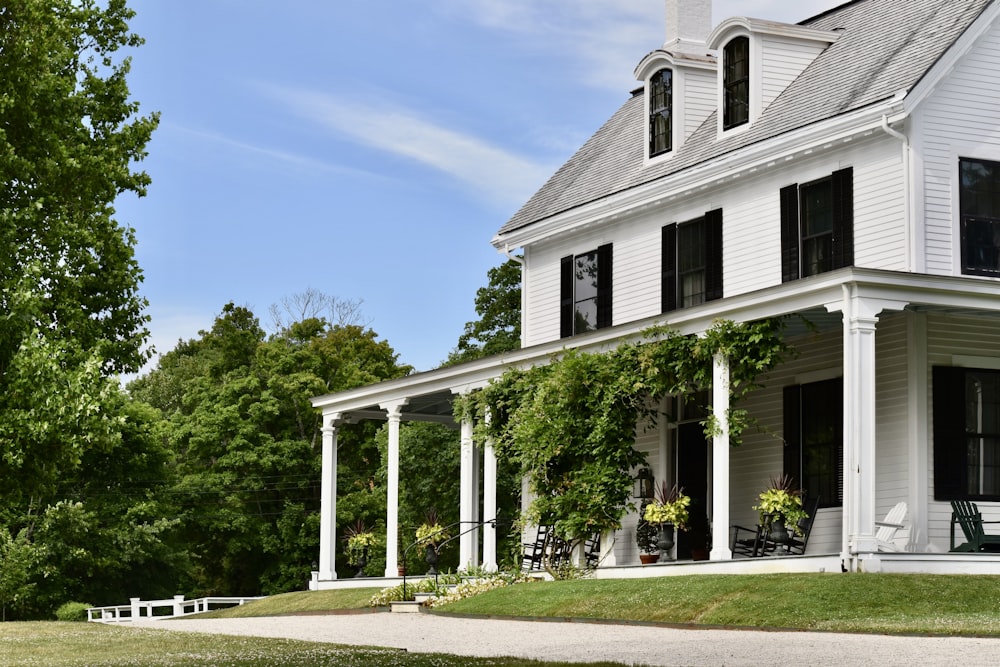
{"x":477,"y":524}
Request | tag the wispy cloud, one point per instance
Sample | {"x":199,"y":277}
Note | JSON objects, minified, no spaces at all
{"x":606,"y":37}
{"x":273,"y":155}
{"x":500,"y":175}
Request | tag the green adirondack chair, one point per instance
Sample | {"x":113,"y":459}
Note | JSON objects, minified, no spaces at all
{"x":967,"y":515}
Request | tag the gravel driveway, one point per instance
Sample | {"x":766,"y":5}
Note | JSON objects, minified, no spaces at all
{"x":590,"y":642}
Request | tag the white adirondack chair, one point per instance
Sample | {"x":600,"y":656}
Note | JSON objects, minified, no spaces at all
{"x":886,"y":533}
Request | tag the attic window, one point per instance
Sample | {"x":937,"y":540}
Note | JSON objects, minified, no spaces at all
{"x":736,"y":82}
{"x":660,"y":112}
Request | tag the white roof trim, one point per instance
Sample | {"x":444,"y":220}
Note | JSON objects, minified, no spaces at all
{"x":738,"y":25}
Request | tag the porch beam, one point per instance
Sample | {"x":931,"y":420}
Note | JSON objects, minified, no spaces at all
{"x":720,"y":459}
{"x":394,"y":413}
{"x":328,"y":499}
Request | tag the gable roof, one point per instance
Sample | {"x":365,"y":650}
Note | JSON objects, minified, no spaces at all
{"x":886,"y":46}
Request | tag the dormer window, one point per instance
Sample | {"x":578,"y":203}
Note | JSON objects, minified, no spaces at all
{"x":661,"y":92}
{"x":736,"y":82}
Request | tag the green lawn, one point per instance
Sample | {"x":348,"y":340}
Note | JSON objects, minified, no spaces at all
{"x":92,"y":644}
{"x":946,"y":605}
{"x":846,"y":602}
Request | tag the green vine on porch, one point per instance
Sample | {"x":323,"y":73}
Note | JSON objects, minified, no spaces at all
{"x":571,"y":424}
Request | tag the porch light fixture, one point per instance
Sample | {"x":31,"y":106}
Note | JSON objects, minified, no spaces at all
{"x":643,"y":487}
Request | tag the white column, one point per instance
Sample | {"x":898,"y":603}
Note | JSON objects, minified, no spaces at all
{"x":467,"y":494}
{"x":328,"y":500}
{"x":394,"y":412}
{"x":720,"y":459}
{"x":489,"y":506}
{"x":860,"y":317}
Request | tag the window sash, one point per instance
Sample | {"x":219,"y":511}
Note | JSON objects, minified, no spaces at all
{"x":966,"y":414}
{"x":736,"y":82}
{"x":661,"y":112}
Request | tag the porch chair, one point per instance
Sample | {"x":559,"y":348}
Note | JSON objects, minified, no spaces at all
{"x":592,"y":550}
{"x":535,"y":551}
{"x":798,"y":539}
{"x":748,"y":542}
{"x":887,"y":528}
{"x":966,"y":514}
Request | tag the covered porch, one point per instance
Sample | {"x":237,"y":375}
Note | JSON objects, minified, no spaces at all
{"x":845,"y":308}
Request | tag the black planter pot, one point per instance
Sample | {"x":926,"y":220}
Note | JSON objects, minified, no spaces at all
{"x":665,"y":541}
{"x":361,"y":564}
{"x":432,"y":559}
{"x":778,"y":533}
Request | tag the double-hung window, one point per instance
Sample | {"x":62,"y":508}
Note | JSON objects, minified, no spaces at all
{"x":814,"y":439}
{"x":966,"y":416}
{"x":736,"y":82}
{"x":585,"y":292}
{"x":817,"y":226}
{"x":692,"y":262}
{"x":660,"y":112}
{"x":979,"y":199}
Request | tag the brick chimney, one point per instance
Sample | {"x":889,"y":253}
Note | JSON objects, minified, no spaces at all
{"x":689,"y":23}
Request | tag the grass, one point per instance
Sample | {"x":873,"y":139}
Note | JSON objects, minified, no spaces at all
{"x":924,"y":604}
{"x":91,"y":644}
{"x":299,"y":603}
{"x":912,"y":604}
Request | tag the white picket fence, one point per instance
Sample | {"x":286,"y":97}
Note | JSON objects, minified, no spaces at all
{"x":146,"y":609}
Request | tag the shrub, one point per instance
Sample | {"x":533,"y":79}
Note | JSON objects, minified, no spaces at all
{"x":73,"y":611}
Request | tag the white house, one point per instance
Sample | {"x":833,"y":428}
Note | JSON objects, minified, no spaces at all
{"x":845,"y":169}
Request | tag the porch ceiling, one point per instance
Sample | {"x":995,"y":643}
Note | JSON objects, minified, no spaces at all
{"x":433,"y":407}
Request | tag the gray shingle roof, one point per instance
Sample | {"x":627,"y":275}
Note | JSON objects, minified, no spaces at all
{"x":885,"y":46}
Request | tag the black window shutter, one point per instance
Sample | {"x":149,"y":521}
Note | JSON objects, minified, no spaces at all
{"x":789,"y":233}
{"x":604,"y":286}
{"x":792,"y":459}
{"x":566,"y":297}
{"x":713,"y":255}
{"x":843,"y":218}
{"x":668,"y":280}
{"x":948,"y":386}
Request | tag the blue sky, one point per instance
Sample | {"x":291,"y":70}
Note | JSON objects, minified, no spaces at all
{"x":368,"y":150}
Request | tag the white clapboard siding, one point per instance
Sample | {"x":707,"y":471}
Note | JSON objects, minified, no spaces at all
{"x":879,"y":211}
{"x":751,"y":220}
{"x":959,"y":119}
{"x":700,"y":99}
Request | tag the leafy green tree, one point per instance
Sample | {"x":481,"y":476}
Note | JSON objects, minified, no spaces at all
{"x":498,"y":328}
{"x":69,"y":139}
{"x":246,"y":440}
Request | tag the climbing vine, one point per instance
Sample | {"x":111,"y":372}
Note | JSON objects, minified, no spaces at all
{"x":571,"y":424}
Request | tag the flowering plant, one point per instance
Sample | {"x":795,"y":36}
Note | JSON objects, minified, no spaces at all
{"x":669,"y":506}
{"x":780,"y":499}
{"x":359,"y":539}
{"x":431,"y":531}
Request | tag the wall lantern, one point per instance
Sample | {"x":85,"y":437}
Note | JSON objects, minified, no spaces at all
{"x":643,"y":487}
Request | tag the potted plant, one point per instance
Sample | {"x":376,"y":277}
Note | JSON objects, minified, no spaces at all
{"x":668,"y":509}
{"x":431,"y":534}
{"x":645,"y":537}
{"x":359,"y":540}
{"x":780,"y":505}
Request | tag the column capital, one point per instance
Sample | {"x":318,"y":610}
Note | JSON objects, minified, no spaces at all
{"x":394,"y":409}
{"x":330,"y":422}
{"x":862,"y":312}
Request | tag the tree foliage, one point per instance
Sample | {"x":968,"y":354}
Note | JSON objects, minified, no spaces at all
{"x":239,"y":422}
{"x":69,"y":137}
{"x":498,"y":328}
